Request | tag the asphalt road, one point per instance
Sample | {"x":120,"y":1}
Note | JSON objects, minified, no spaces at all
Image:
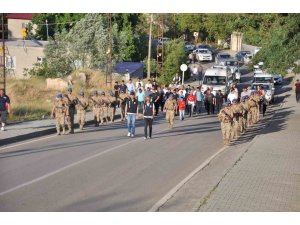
{"x":101,"y":169}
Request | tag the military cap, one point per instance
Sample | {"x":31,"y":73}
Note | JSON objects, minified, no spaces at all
{"x":59,"y":96}
{"x":225,"y":104}
{"x":94,"y":92}
{"x":132,"y":93}
{"x":111,"y":93}
{"x":234,"y":100}
{"x":102,"y":92}
{"x":81,"y":92}
{"x":70,"y":89}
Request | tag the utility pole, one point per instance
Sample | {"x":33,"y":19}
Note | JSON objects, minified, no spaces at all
{"x":109,"y":54}
{"x":47,"y":31}
{"x":149,"y":47}
{"x":3,"y":54}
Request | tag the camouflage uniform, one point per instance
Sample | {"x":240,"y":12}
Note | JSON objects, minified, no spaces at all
{"x":104,"y":109}
{"x":70,"y":101}
{"x":257,"y":99}
{"x":246,"y":108}
{"x":253,"y":110}
{"x":111,"y":107}
{"x":122,"y":98}
{"x":170,"y":106}
{"x":96,"y":103}
{"x":81,"y":110}
{"x":236,"y":130}
{"x":59,"y":110}
{"x":225,"y":117}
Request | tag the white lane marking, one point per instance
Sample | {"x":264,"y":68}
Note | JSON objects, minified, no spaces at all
{"x":27,"y":142}
{"x":165,"y":198}
{"x":72,"y":164}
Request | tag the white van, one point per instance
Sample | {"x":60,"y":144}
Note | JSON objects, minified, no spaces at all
{"x":218,"y":78}
{"x":264,"y":78}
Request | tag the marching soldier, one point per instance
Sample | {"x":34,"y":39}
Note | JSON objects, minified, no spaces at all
{"x":170,"y":108}
{"x":70,"y":101}
{"x":82,"y":104}
{"x":123,"y":97}
{"x":253,"y":109}
{"x":226,"y":118}
{"x":258,"y":100}
{"x":59,"y":110}
{"x":237,"y":112}
{"x":104,"y":107}
{"x":246,"y":108}
{"x":111,"y":106}
{"x":96,"y":103}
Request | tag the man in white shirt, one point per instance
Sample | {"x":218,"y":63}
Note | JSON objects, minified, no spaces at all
{"x":232,"y":95}
{"x":137,"y":83}
{"x":130,"y":86}
{"x":148,"y":85}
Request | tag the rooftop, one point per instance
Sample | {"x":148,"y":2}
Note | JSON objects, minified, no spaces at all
{"x":122,"y":67}
{"x":21,"y":16}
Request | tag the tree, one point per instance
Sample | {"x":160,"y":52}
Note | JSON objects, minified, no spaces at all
{"x":174,"y":57}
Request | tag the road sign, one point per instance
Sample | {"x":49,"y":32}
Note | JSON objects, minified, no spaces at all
{"x":183,"y":67}
{"x":196,"y":34}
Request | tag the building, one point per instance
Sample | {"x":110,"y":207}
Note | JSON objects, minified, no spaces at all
{"x":23,"y":54}
{"x":15,"y":22}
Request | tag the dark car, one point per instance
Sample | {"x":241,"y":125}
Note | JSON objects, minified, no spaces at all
{"x":211,"y":49}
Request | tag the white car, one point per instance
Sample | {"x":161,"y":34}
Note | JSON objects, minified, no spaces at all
{"x":203,"y":54}
{"x":277,"y":78}
{"x":270,"y":91}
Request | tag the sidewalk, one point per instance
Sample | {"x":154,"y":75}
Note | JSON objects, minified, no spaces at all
{"x":267,"y":178}
{"x":259,"y":172}
{"x":21,"y":131}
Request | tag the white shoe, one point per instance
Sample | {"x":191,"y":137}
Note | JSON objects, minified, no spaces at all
{"x":128,"y":135}
{"x":145,"y":138}
{"x":132,"y":135}
{"x":2,"y":128}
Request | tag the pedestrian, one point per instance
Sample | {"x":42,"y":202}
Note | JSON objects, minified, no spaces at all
{"x":244,"y":92}
{"x":226,"y":118}
{"x":170,"y":108}
{"x":148,"y":112}
{"x":131,"y":111}
{"x":209,"y":101}
{"x":81,"y":109}
{"x":71,"y":102}
{"x":219,"y":100}
{"x":156,"y":100}
{"x":161,"y":100}
{"x":130,"y":86}
{"x":141,"y":99}
{"x":117,"y":92}
{"x":148,"y":85}
{"x":265,"y":103}
{"x":181,"y":108}
{"x":123,"y":99}
{"x":245,"y":114}
{"x":123,"y":87}
{"x":297,"y":90}
{"x":95,"y":101}
{"x":59,"y":110}
{"x":199,"y":100}
{"x":191,"y":101}
{"x":139,"y":86}
{"x":139,"y":82}
{"x":232,"y":95}
{"x":195,"y":73}
{"x":4,"y":108}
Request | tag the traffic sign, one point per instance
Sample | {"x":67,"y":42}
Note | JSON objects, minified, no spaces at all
{"x":183,"y":67}
{"x":196,"y":34}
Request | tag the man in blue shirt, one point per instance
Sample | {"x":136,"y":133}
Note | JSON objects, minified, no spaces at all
{"x":140,"y":96}
{"x":130,"y":86}
{"x":4,"y":108}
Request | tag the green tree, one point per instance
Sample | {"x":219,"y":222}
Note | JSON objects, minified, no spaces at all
{"x":174,"y":57}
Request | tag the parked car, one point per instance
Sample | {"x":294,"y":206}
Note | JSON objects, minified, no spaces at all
{"x":222,"y":57}
{"x":162,"y":41}
{"x":203,"y":54}
{"x":240,"y":56}
{"x":233,"y":64}
{"x":277,"y":79}
{"x":188,"y":48}
{"x":211,"y":49}
{"x":270,"y":91}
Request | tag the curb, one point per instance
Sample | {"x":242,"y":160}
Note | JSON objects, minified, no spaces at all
{"x":45,"y":132}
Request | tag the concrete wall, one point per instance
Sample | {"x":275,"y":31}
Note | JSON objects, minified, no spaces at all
{"x":25,"y":58}
{"x":250,"y":48}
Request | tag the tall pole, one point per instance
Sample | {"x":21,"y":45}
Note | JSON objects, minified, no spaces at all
{"x":47,"y":31}
{"x":3,"y":49}
{"x":149,"y":47}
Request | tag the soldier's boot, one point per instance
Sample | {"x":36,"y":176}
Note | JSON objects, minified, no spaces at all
{"x":81,"y":127}
{"x":58,"y":130}
{"x":96,"y":122}
{"x":64,"y":130}
{"x":226,"y":142}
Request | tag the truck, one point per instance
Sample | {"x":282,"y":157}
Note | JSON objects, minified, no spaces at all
{"x":217,"y":78}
